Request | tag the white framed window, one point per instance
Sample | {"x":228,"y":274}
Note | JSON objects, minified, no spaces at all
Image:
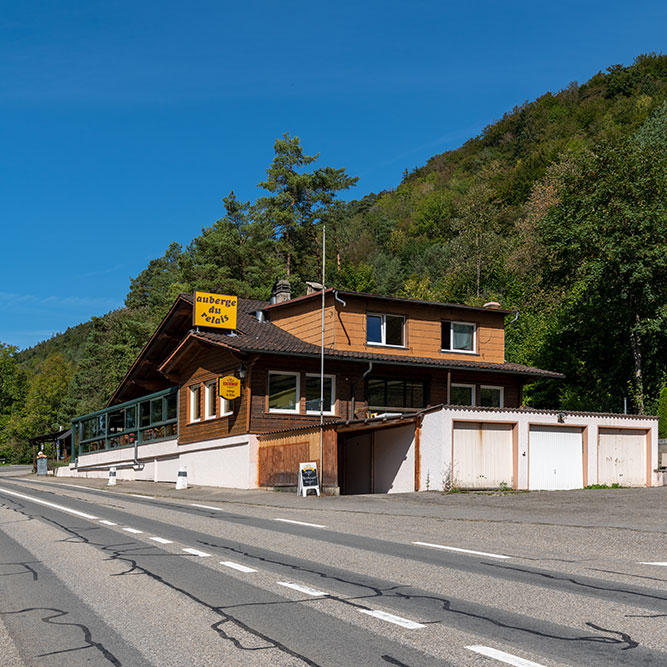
{"x":313,"y":394}
{"x":458,"y":337}
{"x":195,"y":403}
{"x":384,"y":329}
{"x":491,"y":396}
{"x":284,"y":391}
{"x":462,"y":394}
{"x":210,"y":400}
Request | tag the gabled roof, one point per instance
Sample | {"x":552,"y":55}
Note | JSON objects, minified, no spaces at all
{"x":382,"y":297}
{"x":175,"y":334}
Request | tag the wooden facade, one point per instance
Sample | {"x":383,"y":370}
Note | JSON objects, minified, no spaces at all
{"x":345,"y":326}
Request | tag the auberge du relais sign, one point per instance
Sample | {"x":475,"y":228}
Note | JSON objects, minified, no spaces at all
{"x":214,"y":310}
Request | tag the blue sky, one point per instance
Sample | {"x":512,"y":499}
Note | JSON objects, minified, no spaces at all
{"x":123,"y":124}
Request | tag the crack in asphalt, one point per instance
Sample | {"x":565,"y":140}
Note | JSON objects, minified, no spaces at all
{"x":393,"y":661}
{"x":116,"y":554}
{"x":628,"y":574}
{"x":87,"y":635}
{"x":446,"y":605}
{"x":29,"y":570}
{"x":572,"y":580}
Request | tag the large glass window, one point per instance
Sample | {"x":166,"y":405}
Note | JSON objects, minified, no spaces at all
{"x":491,"y":397}
{"x":462,"y":394}
{"x":313,"y":394}
{"x":385,"y":330}
{"x":458,"y":337}
{"x":148,"y":418}
{"x":283,"y":392}
{"x":393,"y":393}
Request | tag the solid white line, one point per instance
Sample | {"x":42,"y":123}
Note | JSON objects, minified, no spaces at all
{"x":236,"y":566}
{"x":134,"y":531}
{"x":206,"y":507}
{"x":76,"y":486}
{"x":136,"y":495}
{"x":196,"y":552}
{"x":302,"y":589}
{"x":396,"y":620}
{"x":501,"y":656}
{"x":62,"y":508}
{"x":161,"y":540}
{"x":107,"y":522}
{"x":658,"y":563}
{"x":301,"y":523}
{"x":463,"y":551}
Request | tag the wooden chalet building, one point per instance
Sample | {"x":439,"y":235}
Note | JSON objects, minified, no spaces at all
{"x":390,"y":366}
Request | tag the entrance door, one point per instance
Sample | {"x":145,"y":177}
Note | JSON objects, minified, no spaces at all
{"x":556,"y":458}
{"x":354,"y":467}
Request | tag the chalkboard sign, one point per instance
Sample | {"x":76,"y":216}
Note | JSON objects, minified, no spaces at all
{"x":308,"y":479}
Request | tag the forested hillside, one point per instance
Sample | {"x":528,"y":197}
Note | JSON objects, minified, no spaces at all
{"x":558,"y":210}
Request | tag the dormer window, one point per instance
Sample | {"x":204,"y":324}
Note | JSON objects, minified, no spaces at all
{"x":458,"y":337}
{"x":385,"y":330}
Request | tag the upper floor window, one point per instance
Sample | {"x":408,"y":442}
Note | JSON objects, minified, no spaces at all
{"x":458,"y":337}
{"x":462,"y":394}
{"x":284,"y":393}
{"x":385,"y":330}
{"x":313,"y":394}
{"x":491,"y":397}
{"x":395,"y":393}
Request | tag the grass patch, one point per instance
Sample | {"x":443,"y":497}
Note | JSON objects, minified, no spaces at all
{"x":615,"y":485}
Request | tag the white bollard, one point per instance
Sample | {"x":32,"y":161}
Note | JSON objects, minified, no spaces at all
{"x":182,"y":479}
{"x":112,"y":477}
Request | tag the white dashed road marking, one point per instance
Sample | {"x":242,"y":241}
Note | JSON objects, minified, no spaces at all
{"x":161,"y":540}
{"x":136,"y":495}
{"x":62,"y":508}
{"x":501,"y":656}
{"x":196,"y":552}
{"x":396,"y":620}
{"x":658,"y":563}
{"x":302,"y":589}
{"x":301,"y":523}
{"x":134,"y":531}
{"x":463,"y":551}
{"x":236,"y":566}
{"x":106,"y":522}
{"x":206,"y":507}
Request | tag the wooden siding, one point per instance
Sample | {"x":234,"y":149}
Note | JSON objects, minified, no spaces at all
{"x":422,"y":330}
{"x":303,"y":319}
{"x":345,"y":327}
{"x":281,"y":453}
{"x":209,"y":364}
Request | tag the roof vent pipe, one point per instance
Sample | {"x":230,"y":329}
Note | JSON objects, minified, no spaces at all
{"x":260,"y":315}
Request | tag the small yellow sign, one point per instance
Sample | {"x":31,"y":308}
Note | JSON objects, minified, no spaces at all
{"x":229,"y":387}
{"x":214,"y":310}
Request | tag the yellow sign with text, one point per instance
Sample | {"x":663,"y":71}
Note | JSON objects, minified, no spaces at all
{"x":229,"y":387}
{"x":214,"y":310}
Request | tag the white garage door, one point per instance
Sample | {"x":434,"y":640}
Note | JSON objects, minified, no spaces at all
{"x":482,"y":455}
{"x":622,"y":456}
{"x":556,"y":458}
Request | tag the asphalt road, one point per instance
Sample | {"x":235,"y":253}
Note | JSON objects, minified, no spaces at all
{"x":98,"y":576}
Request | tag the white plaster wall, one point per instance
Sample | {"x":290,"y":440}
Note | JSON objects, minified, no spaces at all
{"x":394,"y":470}
{"x":226,"y":462}
{"x":436,"y":437}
